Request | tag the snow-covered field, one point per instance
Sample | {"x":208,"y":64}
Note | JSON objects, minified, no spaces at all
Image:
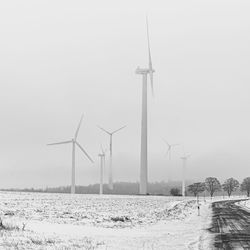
{"x":245,"y":203}
{"x":64,"y":221}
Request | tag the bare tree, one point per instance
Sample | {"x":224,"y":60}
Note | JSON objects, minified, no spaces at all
{"x":212,"y":185}
{"x":196,"y":188}
{"x":245,"y":185}
{"x":230,"y":185}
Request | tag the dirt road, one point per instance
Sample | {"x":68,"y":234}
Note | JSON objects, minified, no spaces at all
{"x":231,"y":226}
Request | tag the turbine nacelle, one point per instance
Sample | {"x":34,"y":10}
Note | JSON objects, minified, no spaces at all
{"x":169,"y":146}
{"x":102,"y":154}
{"x":144,"y":71}
{"x":185,"y":157}
{"x":149,"y":70}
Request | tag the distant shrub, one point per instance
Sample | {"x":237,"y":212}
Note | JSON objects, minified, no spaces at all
{"x":122,"y":219}
{"x":36,"y":241}
{"x":8,"y":226}
{"x":175,"y":192}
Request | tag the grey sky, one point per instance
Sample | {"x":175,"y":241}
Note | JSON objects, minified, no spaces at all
{"x":63,"y":58}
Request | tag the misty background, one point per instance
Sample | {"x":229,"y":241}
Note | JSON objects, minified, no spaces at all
{"x":60,"y":59}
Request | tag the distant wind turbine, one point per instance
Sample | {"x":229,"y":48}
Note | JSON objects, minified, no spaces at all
{"x":144,"y":130}
{"x":111,"y":154}
{"x":184,"y":160}
{"x":170,"y":146}
{"x":74,"y":143}
{"x":102,"y":165}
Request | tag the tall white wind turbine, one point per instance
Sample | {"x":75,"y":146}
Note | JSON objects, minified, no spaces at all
{"x":102,"y":165}
{"x":144,"y":122}
{"x":169,"y":148}
{"x":184,"y":162}
{"x":111,"y":153}
{"x":74,"y":143}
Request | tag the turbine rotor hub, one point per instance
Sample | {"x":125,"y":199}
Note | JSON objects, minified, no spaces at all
{"x":143,"y":71}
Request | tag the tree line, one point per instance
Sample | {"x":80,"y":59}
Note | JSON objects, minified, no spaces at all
{"x":121,"y":188}
{"x":213,"y":185}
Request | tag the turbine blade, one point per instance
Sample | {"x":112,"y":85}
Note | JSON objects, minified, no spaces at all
{"x":118,"y":129}
{"x":104,"y":130}
{"x":84,"y":151}
{"x":57,"y":143}
{"x":79,"y":125}
{"x":166,"y":142}
{"x":168,"y":151}
{"x":151,"y":71}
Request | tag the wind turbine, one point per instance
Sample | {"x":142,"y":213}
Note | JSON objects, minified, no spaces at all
{"x":184,"y":160}
{"x":111,"y":154}
{"x":102,"y":165}
{"x":168,"y":153}
{"x":74,"y":143}
{"x":170,"y":146}
{"x":144,"y":130}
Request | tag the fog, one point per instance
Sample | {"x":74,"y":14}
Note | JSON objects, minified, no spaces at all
{"x":60,"y":59}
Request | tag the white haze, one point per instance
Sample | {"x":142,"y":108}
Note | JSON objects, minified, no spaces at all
{"x":63,"y":58}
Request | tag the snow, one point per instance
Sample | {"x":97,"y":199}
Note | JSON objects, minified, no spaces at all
{"x":245,"y":204}
{"x":65,"y":221}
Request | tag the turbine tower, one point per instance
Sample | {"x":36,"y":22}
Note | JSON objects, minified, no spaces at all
{"x":184,"y":160}
{"x":74,"y":144}
{"x":102,"y":165}
{"x":170,"y":146}
{"x":111,"y":154}
{"x":144,"y":126}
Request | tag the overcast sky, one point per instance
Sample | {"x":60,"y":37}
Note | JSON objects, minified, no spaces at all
{"x":59,"y":59}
